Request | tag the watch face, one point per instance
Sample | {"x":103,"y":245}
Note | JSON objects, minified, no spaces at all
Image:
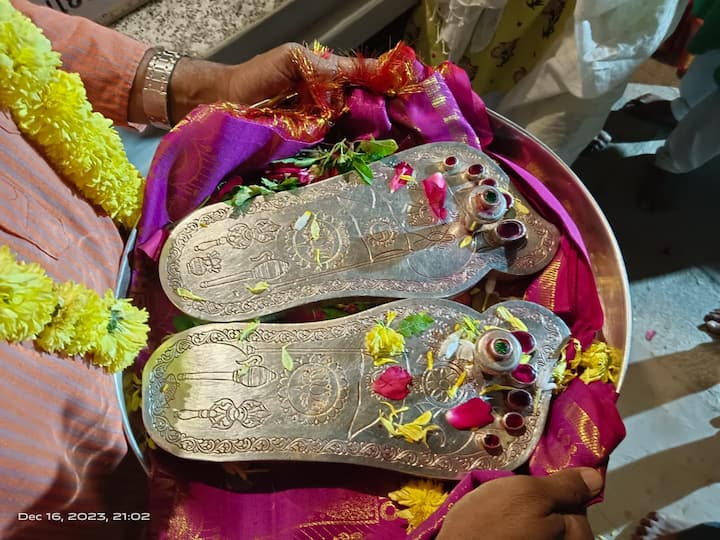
{"x":101,"y":11}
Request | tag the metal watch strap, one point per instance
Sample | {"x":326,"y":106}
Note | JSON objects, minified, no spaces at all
{"x":156,"y":87}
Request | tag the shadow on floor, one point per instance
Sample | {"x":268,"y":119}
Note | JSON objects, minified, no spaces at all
{"x":666,"y":239}
{"x":662,"y":379}
{"x":660,"y":479}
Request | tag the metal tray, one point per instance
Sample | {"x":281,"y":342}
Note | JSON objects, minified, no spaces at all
{"x":605,"y":256}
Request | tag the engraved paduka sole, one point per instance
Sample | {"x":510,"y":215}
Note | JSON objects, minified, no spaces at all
{"x":210,"y":393}
{"x":360,"y":241}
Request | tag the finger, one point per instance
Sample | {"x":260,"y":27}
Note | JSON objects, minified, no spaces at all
{"x":577,"y":527}
{"x":572,"y":488}
{"x":332,"y":64}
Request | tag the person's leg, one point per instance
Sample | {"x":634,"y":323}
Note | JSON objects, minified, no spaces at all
{"x":712,"y":323}
{"x":695,"y":140}
{"x":703,"y":531}
{"x":656,"y":526}
{"x":697,"y":84}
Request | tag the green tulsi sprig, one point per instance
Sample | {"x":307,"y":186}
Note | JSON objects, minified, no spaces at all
{"x":415,"y":324}
{"x":344,"y":156}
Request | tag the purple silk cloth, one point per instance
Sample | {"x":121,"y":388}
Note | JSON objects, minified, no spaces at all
{"x":215,"y":142}
{"x":192,"y":159}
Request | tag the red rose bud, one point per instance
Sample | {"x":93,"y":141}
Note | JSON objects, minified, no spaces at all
{"x":393,"y":383}
{"x":435,"y":189}
{"x":474,"y":413}
{"x":403,"y":172}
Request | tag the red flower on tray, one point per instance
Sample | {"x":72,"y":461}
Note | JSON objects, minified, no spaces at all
{"x":435,"y":189}
{"x":474,"y":413}
{"x":403,"y":175}
{"x":393,"y":383}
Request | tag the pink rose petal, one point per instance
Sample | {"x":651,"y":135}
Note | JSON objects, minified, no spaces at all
{"x":650,"y":334}
{"x":435,"y":189}
{"x":393,"y":383}
{"x":474,"y":413}
{"x":402,"y":169}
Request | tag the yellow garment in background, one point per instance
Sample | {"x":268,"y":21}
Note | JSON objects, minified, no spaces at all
{"x":526,"y":30}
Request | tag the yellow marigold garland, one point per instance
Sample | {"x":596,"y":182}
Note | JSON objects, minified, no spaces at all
{"x":51,"y":109}
{"x":68,"y":318}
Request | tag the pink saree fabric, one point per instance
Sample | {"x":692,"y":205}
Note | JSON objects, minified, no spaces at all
{"x":219,"y":141}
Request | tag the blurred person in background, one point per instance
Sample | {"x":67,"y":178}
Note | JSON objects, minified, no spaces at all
{"x":555,"y":67}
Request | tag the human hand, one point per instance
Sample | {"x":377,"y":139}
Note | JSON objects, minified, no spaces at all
{"x":268,"y":75}
{"x":276,"y":73}
{"x":526,"y":508}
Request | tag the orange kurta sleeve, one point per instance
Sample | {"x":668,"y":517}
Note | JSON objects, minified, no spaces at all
{"x":106,"y":60}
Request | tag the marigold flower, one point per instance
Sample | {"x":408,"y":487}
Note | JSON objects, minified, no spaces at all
{"x":383,"y":341}
{"x":421,"y":497}
{"x":27,"y":301}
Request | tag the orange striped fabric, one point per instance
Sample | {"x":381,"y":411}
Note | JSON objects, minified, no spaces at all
{"x":60,"y":427}
{"x":105,"y":60}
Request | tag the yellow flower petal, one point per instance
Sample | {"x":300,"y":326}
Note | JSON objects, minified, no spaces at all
{"x":259,"y":287}
{"x":457,"y":384}
{"x":188,"y":294}
{"x":505,"y":315}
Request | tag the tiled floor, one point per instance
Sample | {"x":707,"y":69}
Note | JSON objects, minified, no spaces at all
{"x":670,"y":459}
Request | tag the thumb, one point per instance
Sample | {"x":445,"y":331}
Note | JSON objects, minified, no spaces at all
{"x":571,"y":489}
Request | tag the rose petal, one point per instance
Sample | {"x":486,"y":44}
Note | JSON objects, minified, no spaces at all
{"x":650,"y":334}
{"x":435,"y":189}
{"x":402,"y":169}
{"x":474,"y":413}
{"x":393,"y":383}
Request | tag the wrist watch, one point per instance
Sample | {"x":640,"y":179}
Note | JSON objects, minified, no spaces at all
{"x":156,"y":87}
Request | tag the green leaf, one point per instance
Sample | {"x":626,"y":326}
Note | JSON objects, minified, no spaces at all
{"x":260,"y":190}
{"x":304,"y":161}
{"x":287,"y":360}
{"x":249,"y":329}
{"x":183,"y":322}
{"x":415,"y":324}
{"x":241,"y":196}
{"x":270,"y":184}
{"x":188,"y":294}
{"x":333,"y":312}
{"x":363,"y":170}
{"x":291,"y":182}
{"x":378,"y":149}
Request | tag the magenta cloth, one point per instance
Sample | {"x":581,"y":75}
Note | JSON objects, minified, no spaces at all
{"x":213,"y":145}
{"x":193,"y":158}
{"x":583,"y":428}
{"x":200,"y":511}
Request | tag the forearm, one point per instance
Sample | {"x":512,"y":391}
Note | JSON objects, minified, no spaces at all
{"x":193,"y":82}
